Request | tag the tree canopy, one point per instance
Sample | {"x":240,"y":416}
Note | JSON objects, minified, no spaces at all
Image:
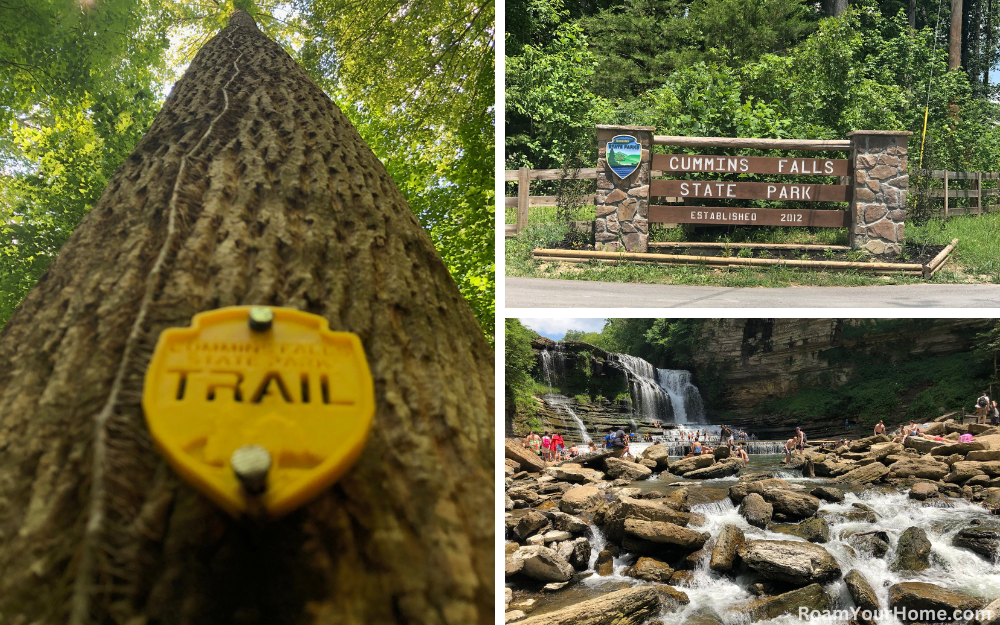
{"x":81,"y":81}
{"x":749,"y":68}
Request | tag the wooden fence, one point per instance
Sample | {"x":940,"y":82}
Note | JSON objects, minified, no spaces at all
{"x":975,"y":193}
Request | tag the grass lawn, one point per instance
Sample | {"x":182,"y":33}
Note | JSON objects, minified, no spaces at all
{"x":975,"y":259}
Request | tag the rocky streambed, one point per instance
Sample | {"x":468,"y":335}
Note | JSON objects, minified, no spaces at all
{"x":875,"y":526}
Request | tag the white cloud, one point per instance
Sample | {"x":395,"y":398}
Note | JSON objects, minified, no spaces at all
{"x":555,"y":328}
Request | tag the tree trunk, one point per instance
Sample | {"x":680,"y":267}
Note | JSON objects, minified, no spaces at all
{"x":955,"y":40}
{"x":839,"y":6}
{"x":911,"y":13}
{"x":250,"y":187}
{"x":989,"y":46}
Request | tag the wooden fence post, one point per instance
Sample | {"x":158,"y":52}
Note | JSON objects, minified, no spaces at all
{"x":523,"y":192}
{"x":978,"y":182}
{"x":946,"y":194}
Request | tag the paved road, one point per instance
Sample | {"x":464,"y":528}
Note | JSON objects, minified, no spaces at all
{"x":546,"y":293}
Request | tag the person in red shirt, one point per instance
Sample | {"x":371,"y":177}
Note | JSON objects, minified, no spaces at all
{"x":558,"y":444}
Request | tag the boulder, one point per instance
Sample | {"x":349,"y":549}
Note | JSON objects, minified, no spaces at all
{"x":983,"y":455}
{"x":912,"y":551}
{"x":686,"y":465}
{"x":671,"y":596}
{"x":527,"y":495}
{"x":580,"y":498}
{"x":617,"y":468}
{"x":682,"y":578}
{"x":812,"y":596}
{"x":605,"y":564}
{"x":922,"y":596}
{"x":724,"y":552}
{"x":832,"y":468}
{"x":983,"y":540}
{"x":814,"y":530}
{"x":651,"y":570}
{"x":566,"y":522}
{"x":794,"y":562}
{"x":873,"y":544}
{"x":867,"y":474}
{"x":923,"y":467}
{"x":756,"y":511}
{"x":792,"y":504}
{"x":958,"y":448}
{"x":883,"y":450}
{"x":528,"y":460}
{"x":556,"y":536}
{"x":740,"y":490}
{"x":718,"y":470}
{"x":576,"y":552}
{"x":513,"y":615}
{"x":677,"y":499}
{"x":961,"y":471}
{"x":630,"y":606}
{"x":508,"y":503}
{"x":721,"y":452}
{"x":659,"y":454}
{"x":923,"y":490}
{"x":864,"y":444}
{"x":649,"y":464}
{"x":828,"y":493}
{"x":922,"y":445}
{"x":861,"y":591}
{"x":541,"y":564}
{"x":594,"y":459}
{"x":614,"y":516}
{"x":530,"y":523}
{"x":574,"y":473}
{"x":666,"y":533}
{"x":990,"y":615}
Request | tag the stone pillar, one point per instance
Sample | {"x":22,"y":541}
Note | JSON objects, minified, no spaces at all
{"x":622,"y":204}
{"x":878,"y":209}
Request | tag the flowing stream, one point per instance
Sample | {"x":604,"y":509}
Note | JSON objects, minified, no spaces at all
{"x":710,"y":592}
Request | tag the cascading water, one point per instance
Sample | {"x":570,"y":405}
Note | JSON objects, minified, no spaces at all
{"x":650,"y":401}
{"x":725,"y":597}
{"x":684,"y":396}
{"x":553,"y":364}
{"x":562,"y":402}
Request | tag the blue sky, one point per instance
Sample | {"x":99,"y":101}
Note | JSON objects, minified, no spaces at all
{"x":556,"y":328}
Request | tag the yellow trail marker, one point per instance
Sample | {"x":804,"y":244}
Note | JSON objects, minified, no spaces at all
{"x":259,"y":407}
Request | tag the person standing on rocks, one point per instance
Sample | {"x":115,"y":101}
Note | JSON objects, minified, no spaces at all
{"x":880,"y":428}
{"x":994,"y":414}
{"x":546,"y":446}
{"x":618,"y":443}
{"x":982,"y":406}
{"x":800,"y":440}
{"x":533,"y":443}
{"x":558,"y":445}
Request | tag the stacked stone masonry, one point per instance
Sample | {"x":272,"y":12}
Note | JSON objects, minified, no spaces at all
{"x":880,"y":183}
{"x":622,"y":204}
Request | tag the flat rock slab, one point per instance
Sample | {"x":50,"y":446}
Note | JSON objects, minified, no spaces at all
{"x":631,"y":606}
{"x":921,"y":596}
{"x":790,"y":561}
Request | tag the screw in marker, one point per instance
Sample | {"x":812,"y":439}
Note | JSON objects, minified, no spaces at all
{"x":261,"y":318}
{"x":251,"y":463}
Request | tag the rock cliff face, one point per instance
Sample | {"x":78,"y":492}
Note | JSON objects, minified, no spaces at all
{"x":743,"y":362}
{"x":767,"y":358}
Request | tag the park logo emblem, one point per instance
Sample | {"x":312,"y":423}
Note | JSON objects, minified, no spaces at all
{"x":259,"y":408}
{"x":624,"y":153}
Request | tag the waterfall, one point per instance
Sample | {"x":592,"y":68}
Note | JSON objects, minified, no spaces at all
{"x":650,"y":401}
{"x":684,"y":396}
{"x":553,"y":364}
{"x":562,"y":402}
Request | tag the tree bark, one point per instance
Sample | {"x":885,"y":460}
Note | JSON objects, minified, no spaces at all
{"x":911,"y":13}
{"x":990,"y":49}
{"x":839,"y":6}
{"x":250,"y":187}
{"x":955,"y":39}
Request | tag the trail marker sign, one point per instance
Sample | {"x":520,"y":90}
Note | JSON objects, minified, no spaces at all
{"x":244,"y":378}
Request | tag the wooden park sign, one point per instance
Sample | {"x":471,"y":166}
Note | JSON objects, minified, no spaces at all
{"x":752,"y":165}
{"x":726,"y":190}
{"x":739,"y":216}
